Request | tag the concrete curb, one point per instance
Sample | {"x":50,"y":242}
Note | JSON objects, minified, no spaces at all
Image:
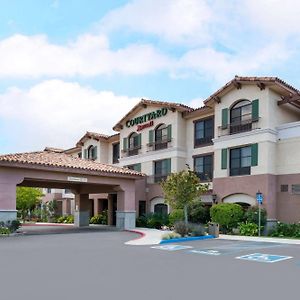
{"x":188,"y":239}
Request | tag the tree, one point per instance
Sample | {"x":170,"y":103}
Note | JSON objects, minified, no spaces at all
{"x":181,"y":189}
{"x":27,"y":199}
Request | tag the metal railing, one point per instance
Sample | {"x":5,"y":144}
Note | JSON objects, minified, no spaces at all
{"x":159,"y":145}
{"x":240,"y":127}
{"x":131,"y":151}
{"x":156,"y":178}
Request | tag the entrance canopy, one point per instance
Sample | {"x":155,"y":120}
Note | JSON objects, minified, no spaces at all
{"x":54,"y":169}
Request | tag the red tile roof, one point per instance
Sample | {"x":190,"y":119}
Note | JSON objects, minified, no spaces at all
{"x":62,"y":160}
{"x":253,"y":79}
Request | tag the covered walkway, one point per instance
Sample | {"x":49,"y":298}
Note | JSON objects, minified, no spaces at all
{"x":50,"y":169}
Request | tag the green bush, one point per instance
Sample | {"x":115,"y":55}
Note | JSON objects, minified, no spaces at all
{"x":153,"y":220}
{"x":251,"y":215}
{"x":141,"y":221}
{"x":198,"y":212}
{"x":4,"y":231}
{"x":286,"y":230}
{"x":248,"y":229}
{"x":65,"y":219}
{"x":175,"y":216}
{"x":228,"y":215}
{"x":99,"y":219}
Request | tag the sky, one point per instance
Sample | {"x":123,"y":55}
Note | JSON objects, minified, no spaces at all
{"x":71,"y":66}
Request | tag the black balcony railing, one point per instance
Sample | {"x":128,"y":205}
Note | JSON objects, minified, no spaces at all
{"x":131,"y":151}
{"x":157,"y":178}
{"x":159,"y":145}
{"x":238,"y":127}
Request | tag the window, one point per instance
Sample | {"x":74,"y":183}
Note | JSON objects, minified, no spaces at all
{"x":48,"y":191}
{"x":135,"y":167}
{"x":204,"y":132}
{"x":203,"y":166}
{"x":162,"y":169}
{"x":241,"y":117}
{"x":68,"y":191}
{"x":142,"y":207}
{"x":79,"y":154}
{"x":91,"y":152}
{"x":240,"y":161}
{"x":133,"y":144}
{"x":284,"y":188}
{"x":161,"y":209}
{"x":296,"y":189}
{"x":161,"y":137}
{"x":116,"y":153}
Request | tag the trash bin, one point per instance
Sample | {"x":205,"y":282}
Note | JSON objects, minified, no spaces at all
{"x":213,"y":229}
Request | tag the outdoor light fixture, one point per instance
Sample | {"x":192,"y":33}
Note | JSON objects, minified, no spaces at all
{"x":214,"y":198}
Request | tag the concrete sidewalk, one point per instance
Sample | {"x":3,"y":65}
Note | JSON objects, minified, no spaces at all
{"x":148,"y":236}
{"x":259,"y":239}
{"x":151,"y":236}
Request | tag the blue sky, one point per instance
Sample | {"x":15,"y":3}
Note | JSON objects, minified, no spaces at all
{"x":68,"y":66}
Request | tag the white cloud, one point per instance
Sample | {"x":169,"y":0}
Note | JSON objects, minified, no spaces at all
{"x":89,"y":55}
{"x":221,"y":67}
{"x":56,"y":113}
{"x":178,"y":21}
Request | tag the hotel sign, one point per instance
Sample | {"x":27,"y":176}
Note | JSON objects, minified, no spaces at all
{"x":77,"y":179}
{"x":147,"y":118}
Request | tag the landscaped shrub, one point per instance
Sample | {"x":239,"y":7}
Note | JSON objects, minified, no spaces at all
{"x":189,"y":229}
{"x":196,"y":230}
{"x":181,"y":228}
{"x":251,"y":215}
{"x":99,"y":219}
{"x":228,"y":215}
{"x":170,"y":236}
{"x":141,"y":221}
{"x":9,"y":226}
{"x":66,"y":219}
{"x":4,"y":231}
{"x":153,"y":220}
{"x":198,"y":212}
{"x":286,"y":230}
{"x":175,"y":216}
{"x":249,"y":229}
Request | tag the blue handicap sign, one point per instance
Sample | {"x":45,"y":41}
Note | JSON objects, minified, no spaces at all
{"x":171,"y":247}
{"x":266,"y":258}
{"x":259,"y":198}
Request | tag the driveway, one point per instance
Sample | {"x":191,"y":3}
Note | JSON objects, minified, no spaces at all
{"x":98,"y":265}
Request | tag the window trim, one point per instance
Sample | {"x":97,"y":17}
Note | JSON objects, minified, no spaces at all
{"x":212,"y":163}
{"x":240,"y":147}
{"x":203,"y":120}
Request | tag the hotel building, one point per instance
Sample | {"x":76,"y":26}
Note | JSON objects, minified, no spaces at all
{"x":244,"y":140}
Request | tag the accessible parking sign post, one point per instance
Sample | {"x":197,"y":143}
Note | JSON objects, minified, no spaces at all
{"x":259,"y":199}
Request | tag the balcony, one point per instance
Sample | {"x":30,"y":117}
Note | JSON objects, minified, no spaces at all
{"x":159,"y":145}
{"x":240,"y":127}
{"x":131,"y":151}
{"x":158,"y":178}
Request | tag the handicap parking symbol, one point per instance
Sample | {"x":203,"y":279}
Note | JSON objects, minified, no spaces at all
{"x":171,"y":247}
{"x":266,"y":258}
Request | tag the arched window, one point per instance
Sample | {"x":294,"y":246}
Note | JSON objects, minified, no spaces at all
{"x":161,"y":137}
{"x":92,"y":152}
{"x":241,"y":117}
{"x":133,"y":143}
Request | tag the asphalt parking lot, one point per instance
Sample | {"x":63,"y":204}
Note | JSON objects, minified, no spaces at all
{"x":97,"y":265}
